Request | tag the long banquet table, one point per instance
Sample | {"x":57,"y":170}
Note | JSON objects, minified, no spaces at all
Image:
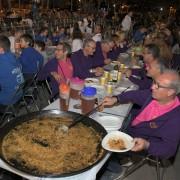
{"x":121,"y":110}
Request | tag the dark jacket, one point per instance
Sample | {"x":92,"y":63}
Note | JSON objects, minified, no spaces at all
{"x":31,"y":60}
{"x":45,"y":73}
{"x":10,"y":79}
{"x":163,"y":132}
{"x":82,"y":65}
{"x":140,"y":78}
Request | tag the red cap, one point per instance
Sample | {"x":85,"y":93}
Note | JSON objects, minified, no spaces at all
{"x":64,"y":88}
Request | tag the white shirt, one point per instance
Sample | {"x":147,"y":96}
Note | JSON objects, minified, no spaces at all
{"x":126,"y":23}
{"x":12,"y":41}
{"x":77,"y":44}
{"x":97,"y":37}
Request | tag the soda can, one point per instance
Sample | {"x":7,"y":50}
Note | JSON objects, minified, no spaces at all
{"x":122,"y":66}
{"x":110,"y":77}
{"x":109,"y":89}
{"x":102,"y":81}
{"x":106,"y":74}
{"x":119,"y":76}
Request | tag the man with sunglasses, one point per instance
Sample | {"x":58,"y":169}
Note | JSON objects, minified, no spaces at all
{"x":156,"y":127}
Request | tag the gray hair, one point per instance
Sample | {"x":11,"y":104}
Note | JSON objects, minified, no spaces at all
{"x":107,"y":40}
{"x":175,"y":81}
{"x":87,"y":42}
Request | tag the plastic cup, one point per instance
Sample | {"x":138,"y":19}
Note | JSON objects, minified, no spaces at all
{"x":88,"y":99}
{"x":76,"y":86}
{"x":64,"y":91}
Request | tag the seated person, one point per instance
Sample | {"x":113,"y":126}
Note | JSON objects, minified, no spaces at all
{"x":43,"y":35}
{"x":154,"y":69}
{"x":54,"y":38}
{"x":101,"y":54}
{"x":40,"y":47}
{"x":30,"y":59}
{"x":10,"y":74}
{"x":83,"y":61}
{"x":139,"y":34}
{"x":156,"y":128}
{"x":138,"y":76}
{"x":58,"y":69}
{"x":120,"y":45}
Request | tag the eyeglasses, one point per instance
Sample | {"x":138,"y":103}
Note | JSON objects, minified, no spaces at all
{"x":157,"y":85}
{"x":58,"y":49}
{"x":92,"y":47}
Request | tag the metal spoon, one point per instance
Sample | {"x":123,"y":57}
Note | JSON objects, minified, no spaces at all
{"x":80,"y":118}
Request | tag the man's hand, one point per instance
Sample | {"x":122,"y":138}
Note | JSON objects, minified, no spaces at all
{"x":56,"y":76}
{"x":107,"y":61}
{"x":99,"y":71}
{"x":140,"y":144}
{"x":109,"y":101}
{"x":128,"y":72}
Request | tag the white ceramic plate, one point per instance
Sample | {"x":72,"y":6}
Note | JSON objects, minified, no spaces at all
{"x":124,"y":55}
{"x":128,"y":140}
{"x":136,"y":67}
{"x":91,"y":81}
{"x":110,"y":122}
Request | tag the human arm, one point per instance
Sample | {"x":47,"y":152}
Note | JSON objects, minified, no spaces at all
{"x":107,"y":61}
{"x":140,"y":144}
{"x":56,"y":76}
{"x":163,"y":134}
{"x":109,"y":101}
{"x":47,"y":69}
{"x":138,"y":97}
{"x":98,"y":71}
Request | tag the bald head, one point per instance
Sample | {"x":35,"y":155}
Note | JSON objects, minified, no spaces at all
{"x":172,"y":79}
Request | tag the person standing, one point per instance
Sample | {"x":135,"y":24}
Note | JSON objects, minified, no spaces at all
{"x":127,"y":23}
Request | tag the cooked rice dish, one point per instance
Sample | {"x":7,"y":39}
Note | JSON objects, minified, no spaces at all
{"x":41,"y":147}
{"x":117,"y":144}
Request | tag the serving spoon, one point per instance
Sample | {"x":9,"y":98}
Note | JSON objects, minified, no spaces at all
{"x":78,"y":119}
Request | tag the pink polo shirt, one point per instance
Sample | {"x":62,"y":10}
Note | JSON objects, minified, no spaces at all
{"x":65,"y":70}
{"x":154,"y":109}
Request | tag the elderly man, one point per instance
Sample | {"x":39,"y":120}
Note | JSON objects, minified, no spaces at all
{"x":83,"y":61}
{"x":156,"y":128}
{"x":101,"y":56}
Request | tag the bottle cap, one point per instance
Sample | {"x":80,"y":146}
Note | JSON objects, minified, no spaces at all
{"x":64,"y":88}
{"x":89,"y":91}
{"x":76,"y":80}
